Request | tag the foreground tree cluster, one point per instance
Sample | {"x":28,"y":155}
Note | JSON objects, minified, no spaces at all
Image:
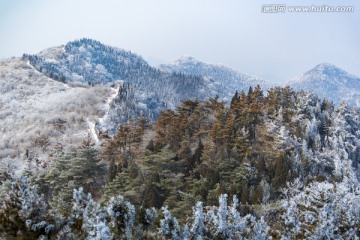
{"x":318,"y":211}
{"x":288,"y":159}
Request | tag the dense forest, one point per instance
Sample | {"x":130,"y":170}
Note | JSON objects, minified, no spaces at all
{"x":280,"y":165}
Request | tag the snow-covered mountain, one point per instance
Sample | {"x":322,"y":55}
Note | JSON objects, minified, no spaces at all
{"x":329,"y":81}
{"x":325,"y":80}
{"x":145,"y":90}
{"x":58,"y":96}
{"x":220,"y":77}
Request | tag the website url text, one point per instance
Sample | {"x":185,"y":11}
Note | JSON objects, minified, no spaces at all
{"x":282,"y":8}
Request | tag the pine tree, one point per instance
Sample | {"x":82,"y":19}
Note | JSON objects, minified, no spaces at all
{"x":196,"y":158}
{"x":122,"y":217}
{"x":24,"y":213}
{"x":169,"y":225}
{"x":119,"y":185}
{"x":255,"y":111}
{"x":151,"y":146}
{"x":112,"y":171}
{"x":186,"y":154}
{"x":198,"y":229}
{"x":234,"y":99}
{"x":78,"y":168}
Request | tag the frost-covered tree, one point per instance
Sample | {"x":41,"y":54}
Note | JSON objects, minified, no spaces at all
{"x":122,"y":217}
{"x":322,"y":211}
{"x":24,"y":212}
{"x":225,"y":222}
{"x":146,"y":221}
{"x":220,"y":218}
{"x":198,"y":227}
{"x":88,"y":218}
{"x":236,"y":222}
{"x":169,"y":225}
{"x":260,"y":229}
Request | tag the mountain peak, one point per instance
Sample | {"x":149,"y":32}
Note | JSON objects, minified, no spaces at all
{"x":86,"y":61}
{"x":327,"y":69}
{"x":322,"y":71}
{"x":325,"y":66}
{"x":330,"y":81}
{"x":186,"y":59}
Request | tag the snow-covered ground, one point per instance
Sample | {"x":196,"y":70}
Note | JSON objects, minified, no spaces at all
{"x":38,"y":113}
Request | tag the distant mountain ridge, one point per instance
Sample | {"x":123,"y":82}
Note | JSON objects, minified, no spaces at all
{"x":218,"y":75}
{"x":149,"y":89}
{"x":192,"y":66}
{"x":328,"y":81}
{"x":325,"y":80}
{"x":146,"y":90}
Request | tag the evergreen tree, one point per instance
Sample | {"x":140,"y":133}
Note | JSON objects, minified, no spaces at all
{"x":24,"y":213}
{"x":234,"y":99}
{"x":78,"y":168}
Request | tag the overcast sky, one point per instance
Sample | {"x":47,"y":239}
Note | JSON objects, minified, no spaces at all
{"x":236,"y":33}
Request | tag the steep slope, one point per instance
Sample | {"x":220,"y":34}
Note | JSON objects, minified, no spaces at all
{"x":329,"y":81}
{"x":222,"y":80}
{"x":38,"y":114}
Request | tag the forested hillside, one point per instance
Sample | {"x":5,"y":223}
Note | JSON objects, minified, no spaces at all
{"x":147,"y":89}
{"x":290,"y":159}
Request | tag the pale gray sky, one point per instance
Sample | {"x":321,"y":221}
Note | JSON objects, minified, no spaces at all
{"x":232,"y":32}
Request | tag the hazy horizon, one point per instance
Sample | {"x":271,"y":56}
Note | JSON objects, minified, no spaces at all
{"x":273,"y":46}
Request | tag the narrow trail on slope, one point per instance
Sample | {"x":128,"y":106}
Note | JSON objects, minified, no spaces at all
{"x":93,"y":132}
{"x":92,"y":125}
{"x":108,"y":102}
